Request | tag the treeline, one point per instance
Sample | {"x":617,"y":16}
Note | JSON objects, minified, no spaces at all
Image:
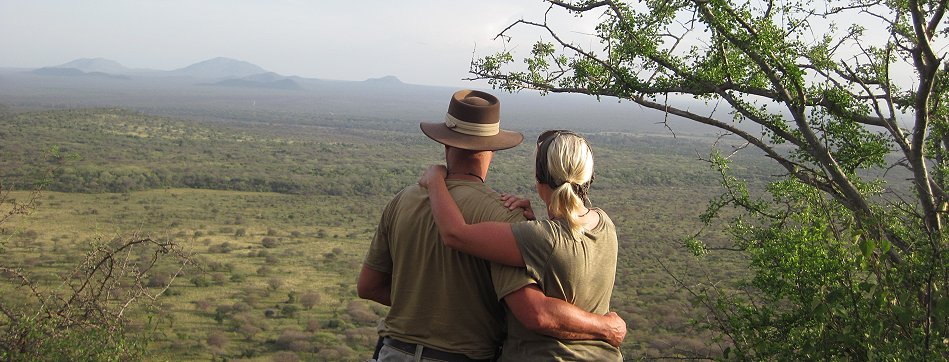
{"x":114,"y":150}
{"x":120,"y":180}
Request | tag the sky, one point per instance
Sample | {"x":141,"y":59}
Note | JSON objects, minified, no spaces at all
{"x":420,"y":42}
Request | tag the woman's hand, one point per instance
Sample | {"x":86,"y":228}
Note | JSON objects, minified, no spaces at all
{"x":513,"y":202}
{"x":434,"y":173}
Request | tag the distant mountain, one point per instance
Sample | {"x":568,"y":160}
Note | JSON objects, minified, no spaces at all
{"x":73,"y":72}
{"x":58,"y":71}
{"x":387,"y":80}
{"x":91,"y":65}
{"x":219,"y":68}
{"x":317,"y":101}
{"x":263,"y":80}
{"x":265,"y":77}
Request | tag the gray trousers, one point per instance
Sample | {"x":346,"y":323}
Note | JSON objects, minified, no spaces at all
{"x":389,"y":354}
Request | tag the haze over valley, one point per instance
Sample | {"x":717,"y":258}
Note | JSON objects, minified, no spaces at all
{"x":247,"y":92}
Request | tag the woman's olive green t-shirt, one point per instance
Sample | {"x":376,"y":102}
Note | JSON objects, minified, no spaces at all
{"x":580,"y":271}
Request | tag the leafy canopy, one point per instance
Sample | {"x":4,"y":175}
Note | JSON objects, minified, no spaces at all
{"x":848,"y":247}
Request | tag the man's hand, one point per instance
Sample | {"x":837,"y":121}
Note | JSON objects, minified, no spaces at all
{"x":560,"y":319}
{"x":617,"y":329}
{"x":434,"y":173}
{"x":513,"y":201}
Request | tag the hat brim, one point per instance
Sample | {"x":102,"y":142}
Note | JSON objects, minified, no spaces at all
{"x":444,"y":135}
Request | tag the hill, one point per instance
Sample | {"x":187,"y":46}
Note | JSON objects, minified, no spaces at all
{"x":100,"y":65}
{"x":219,"y":67}
{"x":387,"y":80}
{"x":262,"y":80}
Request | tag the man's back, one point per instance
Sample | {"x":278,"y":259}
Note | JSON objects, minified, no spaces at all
{"x":440,"y":298}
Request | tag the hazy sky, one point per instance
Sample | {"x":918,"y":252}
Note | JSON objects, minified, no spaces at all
{"x":421,"y":42}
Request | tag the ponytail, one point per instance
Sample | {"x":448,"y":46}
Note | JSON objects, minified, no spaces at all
{"x":565,"y":163}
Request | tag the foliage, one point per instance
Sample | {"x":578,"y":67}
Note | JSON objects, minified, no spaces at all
{"x":124,"y":151}
{"x":847,"y":264}
{"x":150,"y":152}
{"x":89,"y":320}
{"x":86,"y":317}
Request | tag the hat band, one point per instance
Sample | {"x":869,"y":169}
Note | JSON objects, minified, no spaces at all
{"x":472,"y":129}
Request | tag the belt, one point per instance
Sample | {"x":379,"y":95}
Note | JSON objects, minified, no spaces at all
{"x":428,"y":352}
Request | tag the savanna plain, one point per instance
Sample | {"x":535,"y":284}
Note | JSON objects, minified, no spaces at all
{"x":273,"y":218}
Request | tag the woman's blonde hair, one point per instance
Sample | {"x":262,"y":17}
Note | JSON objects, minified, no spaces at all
{"x":564,"y":161}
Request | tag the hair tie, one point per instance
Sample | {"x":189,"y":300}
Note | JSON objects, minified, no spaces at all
{"x":581,"y":190}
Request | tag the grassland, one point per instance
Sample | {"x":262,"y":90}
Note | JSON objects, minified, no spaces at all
{"x":275,"y":272}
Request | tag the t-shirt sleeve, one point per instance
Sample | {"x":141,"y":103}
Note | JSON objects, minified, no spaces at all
{"x":379,"y":258}
{"x":508,"y":279}
{"x":536,"y":245}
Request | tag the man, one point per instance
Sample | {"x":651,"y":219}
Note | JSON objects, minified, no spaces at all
{"x":443,"y":303}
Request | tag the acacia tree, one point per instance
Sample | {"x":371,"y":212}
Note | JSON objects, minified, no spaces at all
{"x":845,"y":264}
{"x":85,"y":314}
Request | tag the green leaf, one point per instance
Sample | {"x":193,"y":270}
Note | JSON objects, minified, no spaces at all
{"x":834,"y":296}
{"x":866,"y":247}
{"x":885,"y":246}
{"x":940,"y":307}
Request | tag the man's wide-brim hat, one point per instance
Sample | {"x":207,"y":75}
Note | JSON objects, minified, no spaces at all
{"x":473,"y":122}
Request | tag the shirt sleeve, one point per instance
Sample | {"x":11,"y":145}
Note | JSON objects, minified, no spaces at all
{"x":508,"y":279}
{"x":536,"y":242}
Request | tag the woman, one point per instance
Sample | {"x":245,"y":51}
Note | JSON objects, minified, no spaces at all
{"x":570,"y":256}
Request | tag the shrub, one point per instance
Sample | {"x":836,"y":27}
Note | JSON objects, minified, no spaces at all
{"x":200,"y":281}
{"x":310,"y":299}
{"x":312,"y":325}
{"x":362,"y":336}
{"x":275,"y":283}
{"x":158,"y":280}
{"x":203,"y":305}
{"x":217,"y":340}
{"x":289,"y":310}
{"x":359,"y":312}
{"x":285,"y":356}
{"x":268,"y":242}
{"x":293,"y":340}
{"x":248,"y":330}
{"x":222,"y":248}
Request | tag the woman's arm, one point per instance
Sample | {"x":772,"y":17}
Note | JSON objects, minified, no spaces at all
{"x":492,"y":241}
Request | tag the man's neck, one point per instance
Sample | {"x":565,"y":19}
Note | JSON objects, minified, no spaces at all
{"x":465,"y":173}
{"x":452,"y":175}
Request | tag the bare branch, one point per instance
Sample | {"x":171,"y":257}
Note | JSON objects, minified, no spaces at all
{"x":576,"y":8}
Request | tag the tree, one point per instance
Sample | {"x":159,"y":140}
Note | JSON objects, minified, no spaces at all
{"x":847,"y":262}
{"x":310,"y":299}
{"x":85,"y":315}
{"x":217,"y":340}
{"x":89,"y":319}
